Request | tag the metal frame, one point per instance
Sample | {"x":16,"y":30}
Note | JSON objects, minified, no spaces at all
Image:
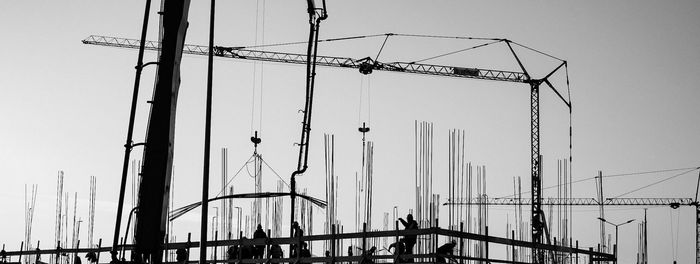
{"x":581,"y":201}
{"x":329,"y":61}
{"x":434,"y":231}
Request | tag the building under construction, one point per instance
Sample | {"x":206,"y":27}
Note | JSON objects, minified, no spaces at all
{"x":448,"y":228}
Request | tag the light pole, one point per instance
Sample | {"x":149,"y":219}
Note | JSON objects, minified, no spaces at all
{"x":616,"y":236}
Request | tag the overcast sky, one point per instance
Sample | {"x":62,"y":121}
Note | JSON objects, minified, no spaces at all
{"x":634,"y":71}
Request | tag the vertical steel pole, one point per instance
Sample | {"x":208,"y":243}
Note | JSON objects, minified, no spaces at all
{"x":616,"y":244}
{"x":130,"y":131}
{"x":207,"y":142}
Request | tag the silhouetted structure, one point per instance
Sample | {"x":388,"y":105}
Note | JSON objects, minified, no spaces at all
{"x":366,"y":254}
{"x":446,"y":249}
{"x":246,"y":251}
{"x":410,"y":240}
{"x":181,"y":255}
{"x":399,"y":249}
{"x":153,"y":199}
{"x":298,"y":233}
{"x":304,"y":252}
{"x":91,"y":257}
{"x":232,"y":252}
{"x":259,"y":250}
{"x":275,"y":252}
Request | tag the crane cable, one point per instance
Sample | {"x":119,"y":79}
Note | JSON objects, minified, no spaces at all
{"x":674,"y":233}
{"x":245,"y":164}
{"x":364,"y":36}
{"x":657,"y":182}
{"x":369,"y":86}
{"x":446,"y":37}
{"x":456,"y":51}
{"x":259,"y":34}
{"x":537,"y":51}
{"x":362,"y":99}
{"x":306,"y":41}
{"x":618,"y":175}
{"x":382,"y":47}
{"x":387,"y":35}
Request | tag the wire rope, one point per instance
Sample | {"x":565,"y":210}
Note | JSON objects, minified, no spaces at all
{"x":443,"y":37}
{"x":235,"y":175}
{"x":262,"y":68}
{"x":537,"y":51}
{"x":617,"y":175}
{"x":382,"y":47}
{"x":306,"y":41}
{"x":673,"y":241}
{"x":275,"y":172}
{"x":456,"y":51}
{"x":369,"y":100}
{"x":648,"y":172}
{"x":657,"y":182}
{"x":359,"y":109}
{"x":678,"y":226}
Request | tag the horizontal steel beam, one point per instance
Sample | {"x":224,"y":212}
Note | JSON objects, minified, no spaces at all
{"x":333,"y":237}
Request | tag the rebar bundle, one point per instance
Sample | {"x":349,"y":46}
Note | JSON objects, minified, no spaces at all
{"x":277,"y":213}
{"x":331,"y":192}
{"x":225,"y":204}
{"x":59,"y":213}
{"x":426,"y":201}
{"x":29,"y":205}
{"x":91,"y":211}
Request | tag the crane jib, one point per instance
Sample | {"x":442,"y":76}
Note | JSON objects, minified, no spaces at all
{"x":365,"y":65}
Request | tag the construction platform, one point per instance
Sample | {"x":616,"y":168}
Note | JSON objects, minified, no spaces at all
{"x":426,"y":249}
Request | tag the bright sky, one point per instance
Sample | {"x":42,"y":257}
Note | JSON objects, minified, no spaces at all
{"x":633,"y":66}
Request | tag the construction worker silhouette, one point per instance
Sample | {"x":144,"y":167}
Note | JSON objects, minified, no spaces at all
{"x":446,"y":249}
{"x":181,"y":255}
{"x":246,"y":251}
{"x":91,"y":257}
{"x":304,"y":252}
{"x":275,"y":252}
{"x":366,"y":254}
{"x":232,"y":252}
{"x":297,"y":233}
{"x":259,"y":250}
{"x":410,"y":240}
{"x":399,"y":249}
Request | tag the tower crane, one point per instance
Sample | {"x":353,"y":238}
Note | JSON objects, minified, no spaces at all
{"x":367,"y":65}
